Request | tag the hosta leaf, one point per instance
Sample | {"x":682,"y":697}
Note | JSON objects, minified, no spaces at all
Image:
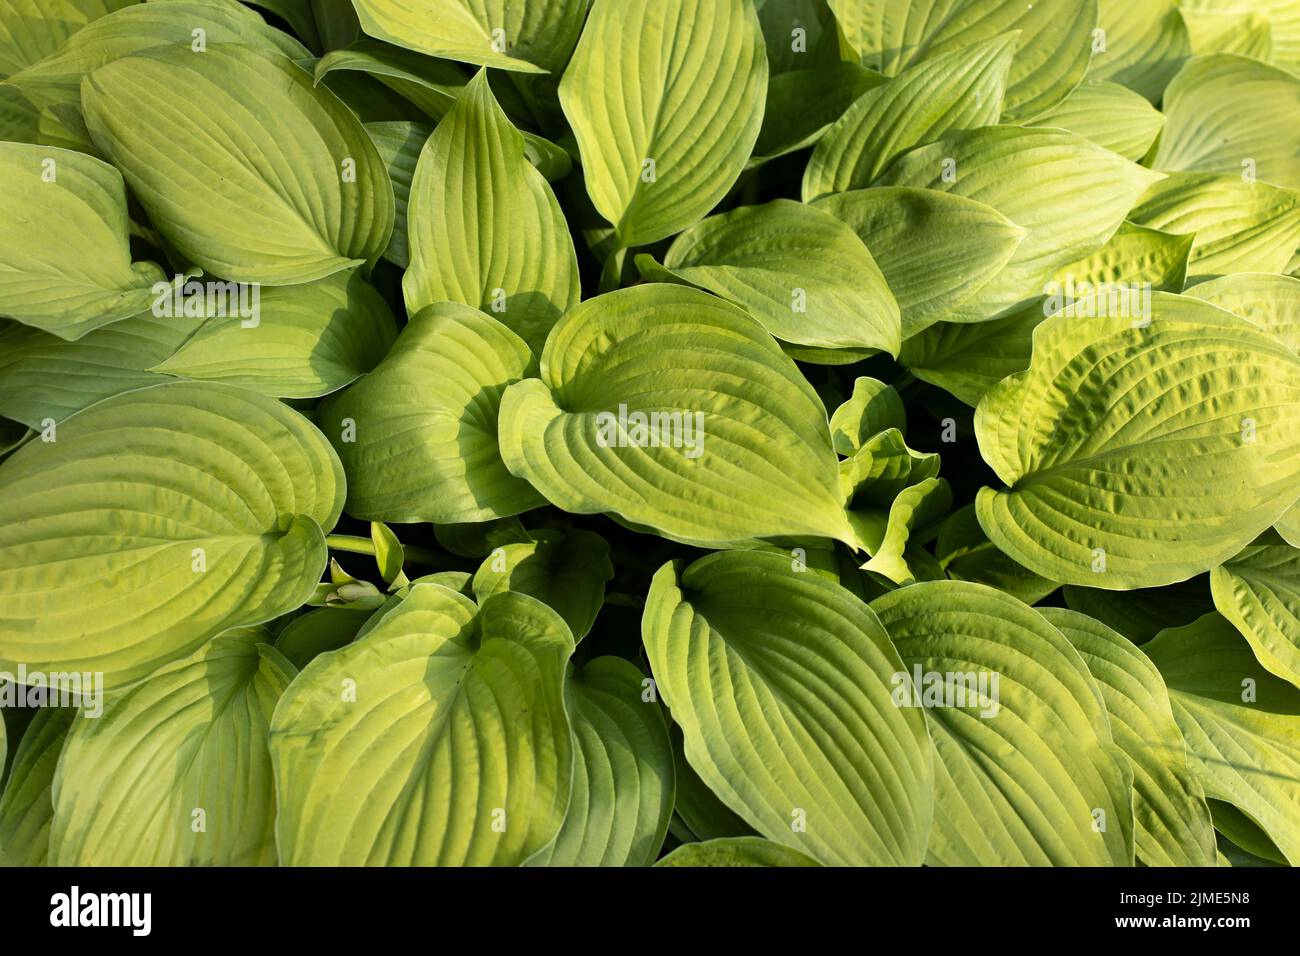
{"x":916,"y":508}
{"x":873,"y":407}
{"x":1270,"y":301}
{"x":798,"y":34}
{"x":697,"y":807}
{"x":565,"y":571}
{"x":301,"y":341}
{"x":1172,"y":821}
{"x":1034,"y":177}
{"x":400,"y":144}
{"x":1140,"y":456}
{"x":280,"y":183}
{"x":1288,"y":526}
{"x":45,"y":377}
{"x":527,"y":36}
{"x":1109,"y":115}
{"x":1145,"y":44}
{"x":802,"y":105}
{"x":781,"y":684}
{"x":1135,"y":257}
{"x":418,"y":435}
{"x":317,"y":631}
{"x":800,"y":271}
{"x":1229,"y":113}
{"x":1051,"y":59}
{"x":1027,"y":773}
{"x":432,"y":85}
{"x":623,"y":771}
{"x":1239,"y":226}
{"x":438,"y":737}
{"x":483,"y":226}
{"x":936,"y":250}
{"x":65,"y":261}
{"x":479,"y":539}
{"x":736,"y":851}
{"x":1238,"y":32}
{"x":666,"y":101}
{"x":296,"y":13}
{"x":26,"y":809}
{"x":966,"y":554}
{"x":881,"y":467}
{"x":1259,"y":592}
{"x":740,"y":448}
{"x":1241,"y":724}
{"x":1142,"y":614}
{"x":31,"y":30}
{"x":960,"y":90}
{"x":156,"y":519}
{"x":176,"y":772}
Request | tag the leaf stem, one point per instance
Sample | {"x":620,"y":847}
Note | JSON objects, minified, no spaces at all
{"x":424,"y":556}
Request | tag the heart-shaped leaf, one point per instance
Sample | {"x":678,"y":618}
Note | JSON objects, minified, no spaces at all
{"x":1109,"y":115}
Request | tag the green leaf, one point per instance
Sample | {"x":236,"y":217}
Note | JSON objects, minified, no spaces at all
{"x":317,"y":631}
{"x":484,"y":227}
{"x":1051,"y":59}
{"x":418,"y":435}
{"x":1134,"y":256}
{"x":1288,"y":526}
{"x":279,"y":182}
{"x":65,"y":260}
{"x":800,"y":271}
{"x":1145,"y":44}
{"x":736,"y":851}
{"x":666,"y":102}
{"x":695,"y":805}
{"x":298,"y":341}
{"x":26,"y":809}
{"x":1027,"y":773}
{"x":399,"y":144}
{"x":780,"y":682}
{"x":565,"y":571}
{"x":296,"y":13}
{"x":623,"y":771}
{"x":798,"y":34}
{"x":959,"y":90}
{"x":1241,"y":724}
{"x":1231,"y":114}
{"x":913,"y":511}
{"x":478,"y":540}
{"x":389,"y":553}
{"x":873,"y":407}
{"x":31,"y":30}
{"x":966,"y":554}
{"x":1109,"y":115}
{"x":740,"y":447}
{"x":176,"y":772}
{"x":1140,"y":615}
{"x":155,"y":520}
{"x":1034,"y":177}
{"x":45,"y":377}
{"x":1259,"y":592}
{"x":1239,"y":226}
{"x":1140,"y":456}
{"x":803,"y":104}
{"x":1270,"y":301}
{"x":1172,"y":821}
{"x":432,"y":85}
{"x":1229,"y":32}
{"x":525,"y":36}
{"x":438,"y":737}
{"x":936,"y":250}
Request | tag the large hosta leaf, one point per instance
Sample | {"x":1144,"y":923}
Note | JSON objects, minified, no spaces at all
{"x":1034,"y":177}
{"x":304,"y":340}
{"x":483,"y":226}
{"x":800,"y":271}
{"x":418,"y":435}
{"x":1229,"y":112}
{"x":960,"y":90}
{"x":279,"y":183}
{"x":65,"y":261}
{"x":156,"y":519}
{"x":1241,"y":724}
{"x":1172,"y":820}
{"x":176,"y":772}
{"x":1141,"y":455}
{"x":666,"y":101}
{"x":623,"y":770}
{"x":1239,"y":226}
{"x":1027,"y":773}
{"x":936,"y":250}
{"x":1109,"y":115}
{"x":736,"y":851}
{"x":438,"y":737}
{"x":1270,"y":301}
{"x":527,"y":36}
{"x":781,"y":682}
{"x":1259,"y":592}
{"x":1051,"y":59}
{"x":45,"y":377}
{"x":27,"y":809}
{"x":1145,"y":44}
{"x":739,"y":446}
